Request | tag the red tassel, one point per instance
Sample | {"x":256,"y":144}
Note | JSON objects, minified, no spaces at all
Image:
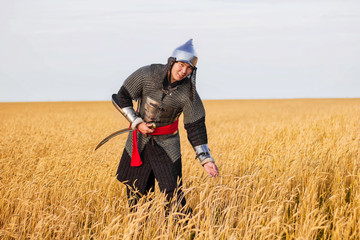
{"x":135,"y":157}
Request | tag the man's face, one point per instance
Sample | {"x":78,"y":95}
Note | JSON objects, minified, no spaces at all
{"x":180,"y":70}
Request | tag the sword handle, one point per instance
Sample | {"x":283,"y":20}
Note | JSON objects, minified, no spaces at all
{"x":153,"y":126}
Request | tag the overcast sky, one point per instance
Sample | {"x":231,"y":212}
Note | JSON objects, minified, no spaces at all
{"x":83,"y":50}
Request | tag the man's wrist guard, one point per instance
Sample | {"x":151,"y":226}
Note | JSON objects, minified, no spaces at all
{"x":130,"y":115}
{"x":203,"y":153}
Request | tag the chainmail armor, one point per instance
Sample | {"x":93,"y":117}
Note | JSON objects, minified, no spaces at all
{"x":148,"y":81}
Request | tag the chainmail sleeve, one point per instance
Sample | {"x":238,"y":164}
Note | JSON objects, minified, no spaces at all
{"x":194,"y":121}
{"x":131,"y":90}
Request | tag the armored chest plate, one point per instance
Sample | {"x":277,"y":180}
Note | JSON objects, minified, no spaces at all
{"x":156,"y":112}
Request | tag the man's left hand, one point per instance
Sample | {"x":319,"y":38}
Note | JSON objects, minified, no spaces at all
{"x":211,"y":169}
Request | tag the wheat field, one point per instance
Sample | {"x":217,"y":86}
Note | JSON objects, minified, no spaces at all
{"x":289,"y":169}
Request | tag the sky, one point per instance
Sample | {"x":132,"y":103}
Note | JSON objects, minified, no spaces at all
{"x":77,"y":50}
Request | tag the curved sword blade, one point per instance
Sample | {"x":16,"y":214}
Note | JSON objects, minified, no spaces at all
{"x":113,"y":135}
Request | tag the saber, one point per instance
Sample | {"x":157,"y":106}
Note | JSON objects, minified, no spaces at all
{"x":113,"y":135}
{"x":116,"y":105}
{"x":125,"y":130}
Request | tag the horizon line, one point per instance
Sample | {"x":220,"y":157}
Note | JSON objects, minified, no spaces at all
{"x":230,"y":99}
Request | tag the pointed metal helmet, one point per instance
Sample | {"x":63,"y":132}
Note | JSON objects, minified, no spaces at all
{"x":186,"y":53}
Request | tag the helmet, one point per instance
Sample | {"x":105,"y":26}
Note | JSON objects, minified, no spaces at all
{"x":186,"y":53}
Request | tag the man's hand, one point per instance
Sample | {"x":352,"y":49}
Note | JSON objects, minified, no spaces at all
{"x":145,"y":128}
{"x":211,"y":169}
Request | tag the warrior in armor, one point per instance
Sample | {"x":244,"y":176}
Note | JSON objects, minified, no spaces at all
{"x":152,"y":150}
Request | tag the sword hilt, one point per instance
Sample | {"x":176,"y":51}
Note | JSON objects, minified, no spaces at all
{"x":153,"y":126}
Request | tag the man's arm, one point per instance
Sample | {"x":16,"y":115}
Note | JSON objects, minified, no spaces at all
{"x":197,"y":135}
{"x":129,"y":91}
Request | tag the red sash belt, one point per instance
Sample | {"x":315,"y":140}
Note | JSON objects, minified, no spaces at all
{"x":168,"y":129}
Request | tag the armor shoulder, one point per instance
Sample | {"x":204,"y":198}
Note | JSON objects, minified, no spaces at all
{"x":134,"y":83}
{"x":158,"y":70}
{"x":157,"y":66}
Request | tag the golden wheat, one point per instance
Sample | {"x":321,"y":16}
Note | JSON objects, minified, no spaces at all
{"x":289,"y":170}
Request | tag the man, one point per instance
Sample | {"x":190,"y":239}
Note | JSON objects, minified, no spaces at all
{"x":152,"y":151}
